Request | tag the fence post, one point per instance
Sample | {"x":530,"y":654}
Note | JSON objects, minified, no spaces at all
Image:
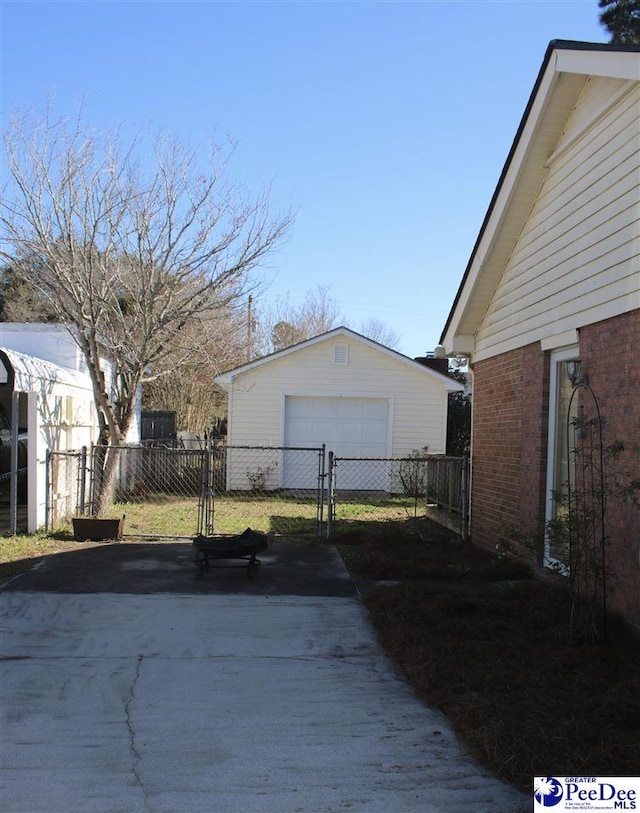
{"x":321,"y":477}
{"x":83,"y":481}
{"x":13,"y":497}
{"x":465,"y":499}
{"x":93,"y":476}
{"x":47,"y":489}
{"x":330,"y":498}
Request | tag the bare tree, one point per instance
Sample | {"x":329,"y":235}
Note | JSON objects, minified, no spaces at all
{"x":128,"y":246}
{"x":286,"y":324}
{"x":379,"y":332}
{"x":221,"y":341}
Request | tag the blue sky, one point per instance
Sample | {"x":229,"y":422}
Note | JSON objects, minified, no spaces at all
{"x":384,"y":125}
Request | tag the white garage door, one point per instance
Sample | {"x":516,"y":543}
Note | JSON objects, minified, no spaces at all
{"x":349,"y":427}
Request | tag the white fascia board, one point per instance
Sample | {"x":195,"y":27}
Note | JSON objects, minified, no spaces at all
{"x":461,"y":345}
{"x":224,"y":380}
{"x":612,"y":64}
{"x":450,"y":384}
{"x":565,"y":339}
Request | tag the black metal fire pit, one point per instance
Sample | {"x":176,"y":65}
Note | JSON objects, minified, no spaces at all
{"x":233,"y":550}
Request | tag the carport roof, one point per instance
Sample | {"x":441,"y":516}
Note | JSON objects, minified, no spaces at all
{"x":22,"y":372}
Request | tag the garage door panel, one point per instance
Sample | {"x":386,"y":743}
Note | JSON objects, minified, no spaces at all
{"x":348,"y":432}
{"x":324,"y":407}
{"x":373,"y":432}
{"x":298,"y":432}
{"x":372,"y":450}
{"x":349,"y":408}
{"x":327,"y":430}
{"x":375,"y":409}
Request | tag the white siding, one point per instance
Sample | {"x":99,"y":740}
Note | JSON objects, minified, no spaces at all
{"x":61,"y":418}
{"x":54,"y":343}
{"x":577,"y":260}
{"x":419,"y":399}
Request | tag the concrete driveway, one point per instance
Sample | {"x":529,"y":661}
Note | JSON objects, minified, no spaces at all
{"x":128,"y":686}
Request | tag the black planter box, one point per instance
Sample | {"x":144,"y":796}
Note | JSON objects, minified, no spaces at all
{"x":97,"y":529}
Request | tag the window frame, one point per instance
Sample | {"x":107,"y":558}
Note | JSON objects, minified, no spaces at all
{"x":557,"y":358}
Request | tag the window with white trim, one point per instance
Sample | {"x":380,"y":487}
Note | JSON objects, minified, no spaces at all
{"x":559,"y":459}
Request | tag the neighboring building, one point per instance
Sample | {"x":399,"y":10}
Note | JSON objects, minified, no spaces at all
{"x":51,"y":408}
{"x":555,"y":277}
{"x":46,"y":397}
{"x":341,"y":390}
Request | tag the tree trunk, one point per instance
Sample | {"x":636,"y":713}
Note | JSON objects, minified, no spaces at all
{"x":105,"y":471}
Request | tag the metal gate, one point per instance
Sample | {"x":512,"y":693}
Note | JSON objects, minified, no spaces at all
{"x":399,"y":488}
{"x":158,"y":489}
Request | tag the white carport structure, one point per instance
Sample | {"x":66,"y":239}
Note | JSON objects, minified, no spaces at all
{"x":52,"y":407}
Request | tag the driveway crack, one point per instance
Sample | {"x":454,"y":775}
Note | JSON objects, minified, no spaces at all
{"x":137,"y":757}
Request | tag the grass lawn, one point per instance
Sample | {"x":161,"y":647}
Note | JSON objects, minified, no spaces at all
{"x":167,"y":515}
{"x":233,"y":513}
{"x":19,"y":553}
{"x":495,"y":654}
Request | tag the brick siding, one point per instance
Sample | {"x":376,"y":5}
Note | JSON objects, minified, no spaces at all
{"x":509,"y":448}
{"x":510,"y":418}
{"x":610,"y":355}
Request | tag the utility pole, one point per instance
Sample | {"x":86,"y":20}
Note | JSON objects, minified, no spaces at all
{"x":249,"y":327}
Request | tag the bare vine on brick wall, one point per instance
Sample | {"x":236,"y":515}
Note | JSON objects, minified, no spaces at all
{"x":579,"y":528}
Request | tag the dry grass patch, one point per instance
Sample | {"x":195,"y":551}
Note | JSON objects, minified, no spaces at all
{"x":498,"y":660}
{"x":420,"y":549}
{"x":21,"y":552}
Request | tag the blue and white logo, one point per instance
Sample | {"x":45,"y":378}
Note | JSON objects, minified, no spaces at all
{"x":547,"y":791}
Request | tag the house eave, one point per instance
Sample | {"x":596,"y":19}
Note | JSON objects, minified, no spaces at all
{"x":562,"y":76}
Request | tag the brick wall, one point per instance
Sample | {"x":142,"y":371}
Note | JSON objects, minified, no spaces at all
{"x":509,"y":447}
{"x":510,"y":417}
{"x":610,"y":355}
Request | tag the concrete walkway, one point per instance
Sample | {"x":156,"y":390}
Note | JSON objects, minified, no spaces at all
{"x":264,"y":699}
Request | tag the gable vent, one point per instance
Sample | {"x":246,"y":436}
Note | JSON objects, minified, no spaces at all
{"x":341,"y":354}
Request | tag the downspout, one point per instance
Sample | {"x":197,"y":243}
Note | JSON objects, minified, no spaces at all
{"x":470,"y":462}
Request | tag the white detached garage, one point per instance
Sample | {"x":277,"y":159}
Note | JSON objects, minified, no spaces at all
{"x":341,"y":390}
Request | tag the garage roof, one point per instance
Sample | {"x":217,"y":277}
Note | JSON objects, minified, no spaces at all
{"x":225,"y":379}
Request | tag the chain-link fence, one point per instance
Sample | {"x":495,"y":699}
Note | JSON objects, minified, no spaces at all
{"x":67,"y":486}
{"x":13,"y":502}
{"x":280,"y":490}
{"x":275,"y":489}
{"x":399,"y":489}
{"x":13,"y":483}
{"x":159,"y":490}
